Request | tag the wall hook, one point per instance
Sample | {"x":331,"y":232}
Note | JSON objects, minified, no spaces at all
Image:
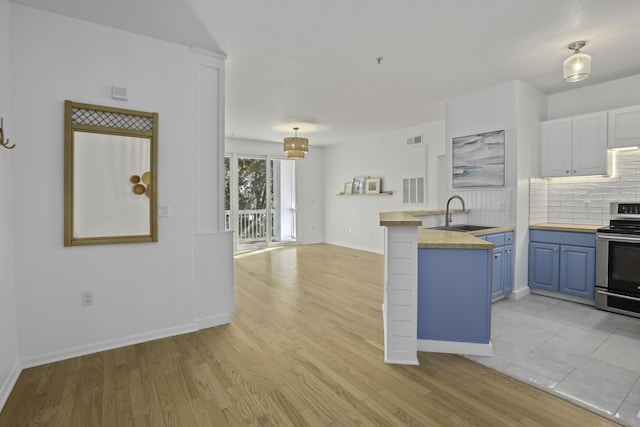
{"x":4,"y":143}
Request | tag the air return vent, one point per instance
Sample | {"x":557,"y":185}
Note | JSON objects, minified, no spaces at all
{"x":413,"y":190}
{"x":414,"y":140}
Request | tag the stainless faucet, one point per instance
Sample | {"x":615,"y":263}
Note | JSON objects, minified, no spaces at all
{"x":447,"y":215}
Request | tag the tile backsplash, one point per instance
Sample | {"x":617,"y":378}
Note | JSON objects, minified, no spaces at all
{"x":585,"y":200}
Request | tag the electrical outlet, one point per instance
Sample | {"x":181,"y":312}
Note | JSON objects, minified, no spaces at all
{"x":86,"y":298}
{"x":163,"y":211}
{"x":586,"y":204}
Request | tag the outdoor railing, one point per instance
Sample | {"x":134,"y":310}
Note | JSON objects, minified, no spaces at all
{"x":252,"y":225}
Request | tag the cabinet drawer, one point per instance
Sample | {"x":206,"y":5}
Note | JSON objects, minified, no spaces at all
{"x":563,"y":238}
{"x":499,"y":239}
{"x":496,"y":239}
{"x":508,"y":238}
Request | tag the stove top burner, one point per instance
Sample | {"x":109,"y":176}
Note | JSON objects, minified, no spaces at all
{"x":622,"y":226}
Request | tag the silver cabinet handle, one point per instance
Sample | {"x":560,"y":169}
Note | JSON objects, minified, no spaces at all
{"x":615,"y":237}
{"x":555,"y":249}
{"x":618,"y":296}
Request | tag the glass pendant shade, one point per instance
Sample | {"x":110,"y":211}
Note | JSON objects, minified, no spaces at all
{"x":577,"y":67}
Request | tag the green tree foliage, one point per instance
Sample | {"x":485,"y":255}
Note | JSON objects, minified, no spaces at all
{"x":252,"y":184}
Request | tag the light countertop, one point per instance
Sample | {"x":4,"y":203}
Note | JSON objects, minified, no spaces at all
{"x":583,"y":228}
{"x":442,"y":239}
{"x":399,"y":219}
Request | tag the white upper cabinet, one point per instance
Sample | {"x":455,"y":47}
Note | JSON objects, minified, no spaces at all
{"x":590,"y":144}
{"x":555,"y":159}
{"x":574,"y":146}
{"x":624,"y":127}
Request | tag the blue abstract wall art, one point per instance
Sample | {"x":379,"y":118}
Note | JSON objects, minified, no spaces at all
{"x":478,"y":160}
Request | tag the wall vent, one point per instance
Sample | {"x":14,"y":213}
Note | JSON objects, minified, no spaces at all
{"x":414,"y":140}
{"x":413,"y":191}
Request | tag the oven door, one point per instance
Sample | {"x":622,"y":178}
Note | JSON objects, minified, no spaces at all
{"x":618,"y":273}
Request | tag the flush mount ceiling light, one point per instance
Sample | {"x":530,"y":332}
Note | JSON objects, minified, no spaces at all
{"x":296,"y":147}
{"x":578,"y":66}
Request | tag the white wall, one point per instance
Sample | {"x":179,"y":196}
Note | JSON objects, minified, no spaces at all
{"x":590,"y":99}
{"x":309,"y":183}
{"x":141,"y":291}
{"x":531,"y":110}
{"x":8,"y":319}
{"x":516,"y":108}
{"x":486,"y":110}
{"x":353,"y":221}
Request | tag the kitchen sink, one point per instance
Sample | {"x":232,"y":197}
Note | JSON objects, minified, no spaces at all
{"x":462,"y":227}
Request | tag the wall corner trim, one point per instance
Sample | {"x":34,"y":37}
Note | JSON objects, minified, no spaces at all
{"x":219,"y":55}
{"x":9,"y":383}
{"x":212,"y":321}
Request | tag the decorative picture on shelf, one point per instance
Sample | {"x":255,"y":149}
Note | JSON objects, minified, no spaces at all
{"x":348,"y":187}
{"x":478,"y":160}
{"x":358,"y":185}
{"x":372,"y":185}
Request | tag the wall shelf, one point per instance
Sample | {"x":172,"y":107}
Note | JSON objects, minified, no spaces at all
{"x":382,"y":193}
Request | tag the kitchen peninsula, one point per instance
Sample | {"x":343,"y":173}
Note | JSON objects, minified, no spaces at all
{"x":437,"y":289}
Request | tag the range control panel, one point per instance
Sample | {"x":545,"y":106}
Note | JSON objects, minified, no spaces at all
{"x":625,"y":208}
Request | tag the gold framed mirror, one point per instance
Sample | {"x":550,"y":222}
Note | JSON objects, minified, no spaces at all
{"x":110,"y":175}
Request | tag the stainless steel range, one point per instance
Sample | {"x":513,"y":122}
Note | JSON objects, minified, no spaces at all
{"x":618,"y":261}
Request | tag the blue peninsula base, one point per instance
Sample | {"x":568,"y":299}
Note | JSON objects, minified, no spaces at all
{"x":454,"y":301}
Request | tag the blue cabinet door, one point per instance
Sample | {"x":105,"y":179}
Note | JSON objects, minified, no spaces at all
{"x":577,"y":271}
{"x":497,"y":273}
{"x":544,"y":266}
{"x":508,"y":269}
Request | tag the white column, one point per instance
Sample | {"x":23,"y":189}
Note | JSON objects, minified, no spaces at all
{"x":212,"y":246}
{"x":400,"y":307}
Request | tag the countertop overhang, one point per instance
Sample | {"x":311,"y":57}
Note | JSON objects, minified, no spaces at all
{"x":443,"y":239}
{"x":433,"y":239}
{"x":580,"y":228}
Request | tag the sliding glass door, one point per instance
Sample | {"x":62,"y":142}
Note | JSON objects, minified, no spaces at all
{"x":260,"y":200}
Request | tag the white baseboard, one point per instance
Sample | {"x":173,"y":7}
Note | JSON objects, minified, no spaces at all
{"x":412,"y":362}
{"x":9,"y":383}
{"x":57,"y":356}
{"x":212,"y":321}
{"x":519,"y":293}
{"x":472,"y":349}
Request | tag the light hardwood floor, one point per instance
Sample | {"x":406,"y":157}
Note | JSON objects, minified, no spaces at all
{"x":304,"y":348}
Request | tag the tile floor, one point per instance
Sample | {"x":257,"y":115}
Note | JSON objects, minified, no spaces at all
{"x":574,"y":351}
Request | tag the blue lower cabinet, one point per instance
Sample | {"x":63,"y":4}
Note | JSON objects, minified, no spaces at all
{"x":577,"y":271}
{"x":497,"y":273}
{"x":502,"y":271}
{"x":562,"y":262}
{"x":508,"y":269}
{"x":454,"y":295}
{"x":544,"y":266}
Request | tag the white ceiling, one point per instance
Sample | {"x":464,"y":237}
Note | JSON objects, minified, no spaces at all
{"x":315,"y":61}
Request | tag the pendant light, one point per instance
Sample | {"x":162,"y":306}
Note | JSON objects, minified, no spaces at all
{"x":295,"y":146}
{"x":578,"y":66}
